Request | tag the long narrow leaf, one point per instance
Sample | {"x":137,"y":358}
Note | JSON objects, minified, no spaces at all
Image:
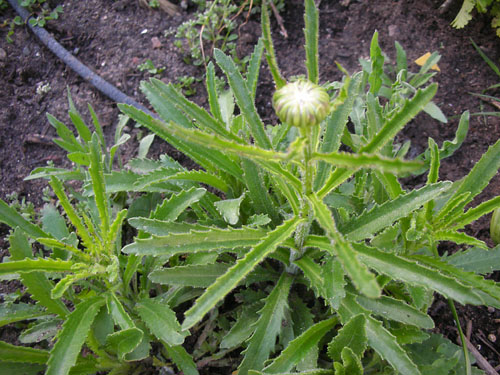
{"x":34,"y":265}
{"x":97,"y":175}
{"x":177,"y":243}
{"x":235,"y":274}
{"x":380,"y":217}
{"x":268,"y":43}
{"x":356,"y":161}
{"x":13,"y":219}
{"x":197,"y":276}
{"x":13,"y":353}
{"x":72,"y":336}
{"x":160,"y":320}
{"x":362,"y":278}
{"x":311,"y":18}
{"x":409,"y":110}
{"x":262,"y":342}
{"x":298,"y":347}
{"x":244,"y":98}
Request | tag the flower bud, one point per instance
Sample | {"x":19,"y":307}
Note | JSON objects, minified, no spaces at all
{"x":495,"y":226}
{"x":301,"y":103}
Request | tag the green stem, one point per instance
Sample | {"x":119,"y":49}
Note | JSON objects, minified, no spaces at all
{"x":468,"y":369}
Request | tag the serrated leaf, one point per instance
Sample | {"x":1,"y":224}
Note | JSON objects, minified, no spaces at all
{"x":13,"y":219}
{"x":459,"y":238}
{"x":7,"y":368}
{"x":414,"y":272}
{"x":362,"y":278}
{"x":243,"y":97}
{"x":170,"y":209}
{"x":195,"y":241}
{"x":197,"y":276}
{"x":361,"y":160}
{"x":182,"y":359}
{"x":41,"y":331}
{"x":407,"y":112}
{"x":10,"y":313}
{"x":235,"y":274}
{"x":464,"y":15}
{"x":318,"y":371}
{"x":243,"y":327}
{"x":161,"y":321}
{"x":409,"y":335}
{"x":164,"y":228}
{"x":124,"y":341}
{"x":352,"y":335}
{"x":38,"y":264}
{"x":13,"y":353}
{"x":311,"y":20}
{"x":72,"y":336}
{"x":380,"y":217}
{"x":476,"y":260}
{"x":393,"y":309}
{"x":230,"y":209}
{"x":37,"y":284}
{"x":263,"y":340}
{"x":380,"y":339}
{"x":300,"y":346}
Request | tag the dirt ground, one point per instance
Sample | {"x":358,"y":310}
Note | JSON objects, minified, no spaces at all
{"x":113,"y":37}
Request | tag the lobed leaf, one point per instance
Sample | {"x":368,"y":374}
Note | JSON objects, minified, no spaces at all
{"x":476,"y":260}
{"x":160,"y":320}
{"x":300,"y":346}
{"x":381,"y":216}
{"x":197,"y":276}
{"x":235,"y":274}
{"x":352,"y":335}
{"x":267,"y":327}
{"x":72,"y":336}
{"x":195,"y":241}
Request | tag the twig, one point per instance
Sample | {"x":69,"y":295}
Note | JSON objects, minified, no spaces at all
{"x":481,"y":361}
{"x":278,"y":19}
{"x":445,"y":6}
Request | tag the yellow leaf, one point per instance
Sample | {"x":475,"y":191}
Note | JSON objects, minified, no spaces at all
{"x":422,"y":59}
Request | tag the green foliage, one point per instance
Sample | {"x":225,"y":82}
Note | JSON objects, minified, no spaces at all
{"x":482,"y":6}
{"x":299,"y":249}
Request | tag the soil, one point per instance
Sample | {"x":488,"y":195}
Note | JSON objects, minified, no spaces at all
{"x":113,"y":37}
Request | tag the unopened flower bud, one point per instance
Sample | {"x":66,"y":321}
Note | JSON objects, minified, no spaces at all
{"x":301,"y":103}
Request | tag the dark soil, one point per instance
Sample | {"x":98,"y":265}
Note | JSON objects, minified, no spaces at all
{"x":113,"y":37}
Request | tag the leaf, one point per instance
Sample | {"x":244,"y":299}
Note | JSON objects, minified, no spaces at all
{"x":412,"y":271}
{"x":170,"y":209}
{"x":235,"y":274}
{"x":38,"y":264}
{"x":318,"y":371}
{"x":212,"y":92}
{"x":352,"y":335}
{"x":311,"y":20}
{"x":464,"y":15}
{"x":98,"y":184}
{"x":195,"y":241}
{"x":125,"y":341}
{"x":379,"y":338}
{"x":352,"y":363}
{"x":379,"y":217}
{"x":459,"y":238}
{"x":44,"y":330}
{"x":268,"y":44}
{"x":72,"y":336}
{"x":161,"y":321}
{"x":36,"y":283}
{"x":377,"y":65}
{"x":244,"y":98}
{"x":422,"y":60}
{"x":254,"y":66}
{"x":243,"y":327}
{"x":13,"y":219}
{"x":300,"y":346}
{"x":164,"y":228}
{"x":267,"y":328}
{"x":10,"y":313}
{"x":230,"y":209}
{"x":362,"y":278}
{"x":397,"y":310}
{"x":476,"y":260}
{"x":8,"y":368}
{"x":407,"y":112}
{"x":197,"y":276}
{"x":13,"y":353}
{"x":182,"y":359}
{"x":357,"y":161}
{"x":435,"y":112}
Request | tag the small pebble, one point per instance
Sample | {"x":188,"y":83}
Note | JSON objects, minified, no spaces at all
{"x":491,"y":310}
{"x":155,"y":42}
{"x":3,"y":54}
{"x":492,"y":337}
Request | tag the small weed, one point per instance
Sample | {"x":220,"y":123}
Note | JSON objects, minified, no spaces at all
{"x":185,"y":84}
{"x":150,"y":67}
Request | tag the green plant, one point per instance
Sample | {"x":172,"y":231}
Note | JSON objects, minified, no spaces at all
{"x":338,"y":236}
{"x":150,"y":67}
{"x":465,"y":14}
{"x":42,"y":13}
{"x":185,"y":84}
{"x":281,"y":251}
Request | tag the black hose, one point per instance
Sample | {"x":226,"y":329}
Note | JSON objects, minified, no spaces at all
{"x":83,"y":71}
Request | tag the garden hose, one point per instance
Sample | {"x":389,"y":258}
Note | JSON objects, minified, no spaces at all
{"x":76,"y":65}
